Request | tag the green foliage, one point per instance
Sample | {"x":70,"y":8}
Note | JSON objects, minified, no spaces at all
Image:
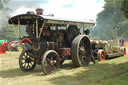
{"x":111,"y":23}
{"x":125,"y":7}
{"x":2,"y":3}
{"x":8,"y":33}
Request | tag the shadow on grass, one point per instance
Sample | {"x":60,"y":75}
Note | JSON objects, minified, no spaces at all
{"x":98,"y":74}
{"x":16,"y":72}
{"x":67,"y":66}
{"x":113,"y":57}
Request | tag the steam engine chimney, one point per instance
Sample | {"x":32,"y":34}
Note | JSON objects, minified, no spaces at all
{"x":39,"y":11}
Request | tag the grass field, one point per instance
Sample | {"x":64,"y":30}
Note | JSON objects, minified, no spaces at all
{"x":109,"y":72}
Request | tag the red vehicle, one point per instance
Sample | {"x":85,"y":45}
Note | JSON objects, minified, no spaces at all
{"x":15,"y":45}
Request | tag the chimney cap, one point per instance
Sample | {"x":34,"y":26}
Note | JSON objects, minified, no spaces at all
{"x":39,"y":11}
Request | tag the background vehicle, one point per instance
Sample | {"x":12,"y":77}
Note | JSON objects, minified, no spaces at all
{"x":3,"y":46}
{"x":107,"y":49}
{"x":15,"y":45}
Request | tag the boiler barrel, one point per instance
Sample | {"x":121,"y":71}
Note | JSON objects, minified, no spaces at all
{"x":52,"y":45}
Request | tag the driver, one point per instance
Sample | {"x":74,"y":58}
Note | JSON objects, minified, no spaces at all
{"x":29,"y":30}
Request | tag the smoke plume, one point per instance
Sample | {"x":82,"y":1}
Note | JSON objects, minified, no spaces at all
{"x":4,"y":16}
{"x":18,"y":7}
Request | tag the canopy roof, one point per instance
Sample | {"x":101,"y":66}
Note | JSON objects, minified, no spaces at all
{"x":30,"y":18}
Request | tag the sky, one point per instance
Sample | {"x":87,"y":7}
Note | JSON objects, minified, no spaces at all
{"x":74,"y":9}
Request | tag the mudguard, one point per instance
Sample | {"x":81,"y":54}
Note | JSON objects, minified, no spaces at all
{"x":27,"y":46}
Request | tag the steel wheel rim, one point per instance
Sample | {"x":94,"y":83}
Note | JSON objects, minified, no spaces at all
{"x":50,"y":63}
{"x":78,"y":50}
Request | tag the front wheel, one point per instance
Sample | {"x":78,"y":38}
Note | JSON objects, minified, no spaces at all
{"x":27,"y":61}
{"x":50,"y":62}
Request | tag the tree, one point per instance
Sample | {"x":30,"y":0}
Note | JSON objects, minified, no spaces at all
{"x":111,"y":23}
{"x":125,"y":8}
{"x":2,"y":4}
{"x":6,"y":31}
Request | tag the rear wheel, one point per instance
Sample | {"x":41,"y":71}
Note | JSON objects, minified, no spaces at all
{"x":50,"y":62}
{"x":100,"y":55}
{"x":27,"y":61}
{"x":81,"y":51}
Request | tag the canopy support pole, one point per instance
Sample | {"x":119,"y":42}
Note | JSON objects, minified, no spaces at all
{"x":19,"y":29}
{"x":14,"y":28}
{"x":37,"y":28}
{"x":41,"y":29}
{"x":34,"y":30}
